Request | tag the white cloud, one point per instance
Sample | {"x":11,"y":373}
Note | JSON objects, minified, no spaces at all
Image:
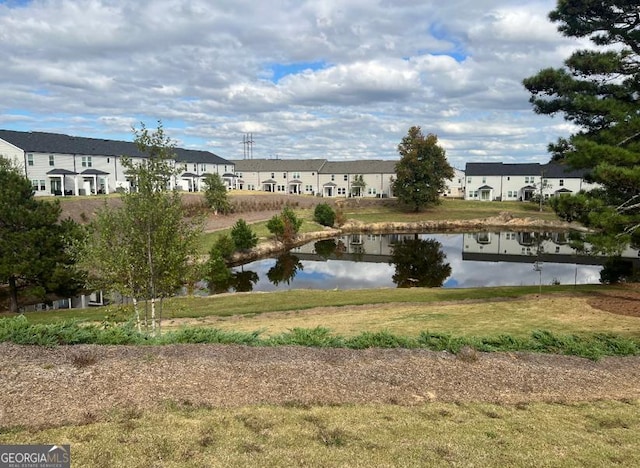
{"x":94,"y":67}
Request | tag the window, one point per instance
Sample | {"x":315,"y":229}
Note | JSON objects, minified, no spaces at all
{"x":333,"y":177}
{"x":509,"y":194}
{"x":239,"y":174}
{"x":284,"y":175}
{"x":372,"y":191}
{"x":203,"y":167}
{"x":43,"y":185}
{"x":34,"y":184}
{"x":273,"y":175}
{"x":342,"y":191}
{"x":561,"y":182}
{"x":296,"y":175}
{"x":195,"y":168}
{"x":468,"y":180}
{"x":30,"y":159}
{"x":346,"y":177}
{"x":51,"y":160}
{"x":484,"y":180}
{"x":308,"y":188}
{"x":86,"y":161}
{"x":108,"y":160}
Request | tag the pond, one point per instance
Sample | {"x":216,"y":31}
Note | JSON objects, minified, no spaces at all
{"x":362,"y":261}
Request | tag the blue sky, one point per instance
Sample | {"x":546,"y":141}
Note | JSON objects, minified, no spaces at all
{"x":335,"y":79}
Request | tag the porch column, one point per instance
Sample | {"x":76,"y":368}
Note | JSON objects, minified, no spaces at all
{"x":62,"y":184}
{"x":106,"y":185}
{"x":75,"y":185}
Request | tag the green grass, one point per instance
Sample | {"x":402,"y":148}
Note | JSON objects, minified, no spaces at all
{"x":179,"y":434}
{"x":593,"y":346}
{"x":255,"y":303}
{"x":449,"y":210}
{"x":208,"y":239}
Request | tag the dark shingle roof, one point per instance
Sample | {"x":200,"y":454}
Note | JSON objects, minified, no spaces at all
{"x":42,"y":142}
{"x":553,"y":170}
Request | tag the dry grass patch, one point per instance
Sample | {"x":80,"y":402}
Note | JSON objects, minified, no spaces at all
{"x":557,"y":314}
{"x":436,"y":434}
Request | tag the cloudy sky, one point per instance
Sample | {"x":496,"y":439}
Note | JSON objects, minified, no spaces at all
{"x":335,"y":79}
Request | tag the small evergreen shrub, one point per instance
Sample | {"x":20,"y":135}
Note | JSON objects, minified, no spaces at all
{"x":324,"y":215}
{"x":242,"y":235}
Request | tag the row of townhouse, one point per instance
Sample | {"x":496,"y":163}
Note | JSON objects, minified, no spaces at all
{"x":58,"y":164}
{"x":367,"y":178}
{"x":521,"y":182}
{"x":66,"y":165}
{"x":320,"y":177}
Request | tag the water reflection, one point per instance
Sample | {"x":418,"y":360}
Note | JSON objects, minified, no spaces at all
{"x":401,"y":260}
{"x":286,"y":268}
{"x":419,"y":263}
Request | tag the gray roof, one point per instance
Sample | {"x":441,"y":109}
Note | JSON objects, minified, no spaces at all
{"x":42,"y":142}
{"x":93,"y":172}
{"x":61,"y":172}
{"x":370,"y":166}
{"x":498,"y":169}
{"x":553,"y":170}
{"x":278,"y":165}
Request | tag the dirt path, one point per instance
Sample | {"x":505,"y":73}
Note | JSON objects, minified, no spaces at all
{"x":52,"y":386}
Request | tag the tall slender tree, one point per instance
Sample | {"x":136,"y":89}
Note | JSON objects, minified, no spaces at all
{"x":34,"y":243}
{"x":144,"y":247}
{"x":598,"y":90}
{"x":422,"y":171}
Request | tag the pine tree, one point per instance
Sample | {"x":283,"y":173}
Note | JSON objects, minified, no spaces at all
{"x":599,"y":91}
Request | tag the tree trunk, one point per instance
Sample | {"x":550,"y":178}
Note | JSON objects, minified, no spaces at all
{"x":153,"y":316}
{"x":13,"y":294}
{"x":137,"y":312}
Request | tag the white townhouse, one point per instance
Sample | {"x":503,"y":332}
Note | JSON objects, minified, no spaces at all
{"x":455,"y":187}
{"x":362,"y":178}
{"x":64,"y":165}
{"x":520,"y":182}
{"x":291,"y":176}
{"x":366,"y":178}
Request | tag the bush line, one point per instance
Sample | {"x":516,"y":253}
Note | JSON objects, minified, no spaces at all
{"x":18,"y":330}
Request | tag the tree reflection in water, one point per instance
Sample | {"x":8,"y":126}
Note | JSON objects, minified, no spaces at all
{"x":419,"y":263}
{"x":239,"y":281}
{"x":285,"y":269}
{"x":329,"y":247}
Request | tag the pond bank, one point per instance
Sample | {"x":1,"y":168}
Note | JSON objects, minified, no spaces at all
{"x":505,"y":221}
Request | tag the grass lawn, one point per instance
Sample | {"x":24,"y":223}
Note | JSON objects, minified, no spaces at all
{"x":594,"y":434}
{"x":518,"y":318}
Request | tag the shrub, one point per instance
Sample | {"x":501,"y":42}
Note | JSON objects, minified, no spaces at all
{"x":224,"y":246}
{"x":324,"y":214}
{"x":341,"y":218}
{"x":285,"y":226}
{"x":243,"y":237}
